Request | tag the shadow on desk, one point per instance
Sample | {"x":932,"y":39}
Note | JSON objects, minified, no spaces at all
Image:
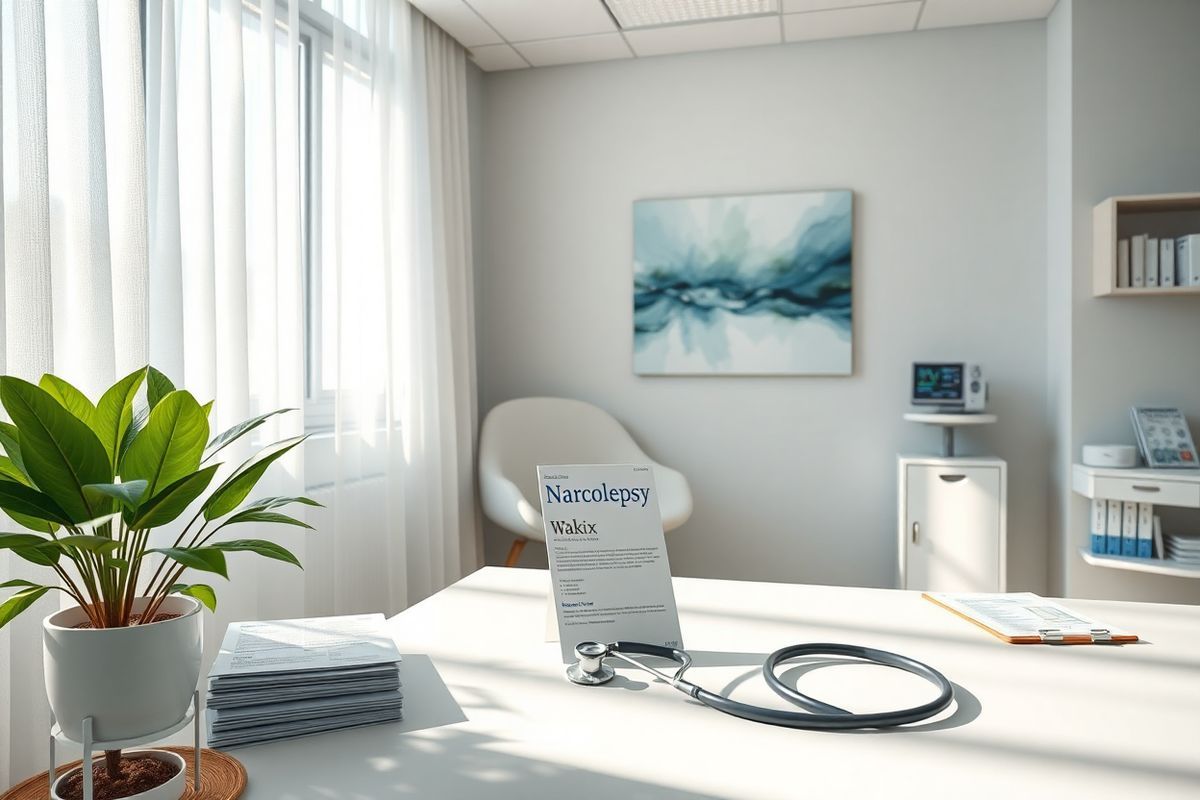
{"x":440,"y":761}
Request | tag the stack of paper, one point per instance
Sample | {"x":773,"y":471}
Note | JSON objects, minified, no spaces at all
{"x":289,"y":678}
{"x":1183,"y":548}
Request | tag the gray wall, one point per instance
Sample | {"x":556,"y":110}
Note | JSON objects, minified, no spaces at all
{"x":940,"y":134}
{"x":1133,"y":128}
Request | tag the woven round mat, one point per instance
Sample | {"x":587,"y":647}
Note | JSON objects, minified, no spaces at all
{"x":222,"y":777}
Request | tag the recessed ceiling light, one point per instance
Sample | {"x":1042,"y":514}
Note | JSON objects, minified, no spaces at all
{"x":647,"y":13}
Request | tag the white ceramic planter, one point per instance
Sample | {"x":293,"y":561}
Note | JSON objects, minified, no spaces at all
{"x":131,"y":681}
{"x":171,"y":790}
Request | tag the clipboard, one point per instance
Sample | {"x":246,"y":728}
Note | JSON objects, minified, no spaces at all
{"x":1026,"y":618}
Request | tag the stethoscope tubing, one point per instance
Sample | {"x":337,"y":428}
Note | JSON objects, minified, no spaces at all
{"x":818,"y":715}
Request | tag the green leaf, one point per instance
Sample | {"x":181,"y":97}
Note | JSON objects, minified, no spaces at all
{"x":171,"y":501}
{"x":20,"y":601}
{"x":170,"y":445}
{"x":271,"y":517}
{"x":9,"y":541}
{"x":60,"y":452}
{"x":29,"y":502}
{"x":91,"y":544}
{"x":10,"y":470}
{"x":201,"y":591}
{"x":260,"y":546}
{"x":207,"y":408}
{"x":140,"y":417}
{"x":267,"y":503}
{"x":44,"y":555}
{"x":235,"y":488}
{"x":10,"y":439}
{"x":18,"y":582}
{"x":114,"y":413}
{"x":128,"y":494}
{"x":238,"y":431}
{"x":69,"y":398}
{"x":33,"y":523}
{"x":205,"y":559}
{"x":158,"y":386}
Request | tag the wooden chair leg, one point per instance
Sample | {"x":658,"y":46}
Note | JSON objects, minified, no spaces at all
{"x":514,"y":552}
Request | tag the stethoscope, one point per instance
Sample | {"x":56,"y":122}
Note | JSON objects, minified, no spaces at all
{"x":590,"y":670}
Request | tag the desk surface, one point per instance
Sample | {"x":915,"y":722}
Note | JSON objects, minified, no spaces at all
{"x":488,"y":713}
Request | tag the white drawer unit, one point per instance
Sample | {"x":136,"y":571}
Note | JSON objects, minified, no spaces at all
{"x":952,"y":524}
{"x":1164,"y":487}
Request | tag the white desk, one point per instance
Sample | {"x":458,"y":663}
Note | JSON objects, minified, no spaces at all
{"x":1032,"y":721}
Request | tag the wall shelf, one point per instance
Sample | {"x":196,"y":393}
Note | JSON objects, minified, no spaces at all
{"x":1121,"y":217}
{"x":1177,"y":291}
{"x":1157,"y":566}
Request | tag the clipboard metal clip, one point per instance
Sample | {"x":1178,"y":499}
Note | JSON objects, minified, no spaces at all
{"x":1059,"y":635}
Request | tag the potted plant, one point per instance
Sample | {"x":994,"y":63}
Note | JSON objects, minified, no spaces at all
{"x":90,"y":483}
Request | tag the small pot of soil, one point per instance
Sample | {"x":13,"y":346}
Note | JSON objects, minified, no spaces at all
{"x":144,"y":775}
{"x":132,"y":681}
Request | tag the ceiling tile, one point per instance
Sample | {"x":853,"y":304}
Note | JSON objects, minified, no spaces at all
{"x":458,"y":20}
{"x":632,"y":14}
{"x":523,"y":20}
{"x":889,"y":18}
{"x":801,"y":6}
{"x":704,"y":36}
{"x":950,"y":13}
{"x":576,"y":49}
{"x":496,"y":57}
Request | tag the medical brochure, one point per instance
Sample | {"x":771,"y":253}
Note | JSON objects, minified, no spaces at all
{"x":1026,"y":618}
{"x":608,"y":557}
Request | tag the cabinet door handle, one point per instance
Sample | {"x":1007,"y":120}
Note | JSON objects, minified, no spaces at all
{"x":952,"y":478}
{"x":1138,"y":488}
{"x":916,"y":530}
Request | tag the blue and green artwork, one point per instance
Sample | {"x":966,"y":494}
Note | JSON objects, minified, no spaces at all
{"x":743,"y":285}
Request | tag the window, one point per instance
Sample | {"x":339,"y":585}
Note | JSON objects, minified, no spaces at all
{"x":321,"y":157}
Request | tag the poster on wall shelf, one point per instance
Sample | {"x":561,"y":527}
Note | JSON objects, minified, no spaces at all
{"x":743,"y":284}
{"x":1164,"y":438}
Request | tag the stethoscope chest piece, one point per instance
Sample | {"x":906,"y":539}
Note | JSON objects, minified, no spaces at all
{"x":589,"y":669}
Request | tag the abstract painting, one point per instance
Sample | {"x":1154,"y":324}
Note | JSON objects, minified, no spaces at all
{"x":743,"y":285}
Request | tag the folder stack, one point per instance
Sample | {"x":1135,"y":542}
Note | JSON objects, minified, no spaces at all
{"x":290,"y":678}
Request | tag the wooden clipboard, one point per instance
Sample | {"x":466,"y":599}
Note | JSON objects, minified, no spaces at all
{"x":974,"y":609}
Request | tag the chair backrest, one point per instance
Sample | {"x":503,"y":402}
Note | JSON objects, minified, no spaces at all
{"x":518,"y":435}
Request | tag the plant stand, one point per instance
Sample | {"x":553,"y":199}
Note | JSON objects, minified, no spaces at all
{"x":90,"y":745}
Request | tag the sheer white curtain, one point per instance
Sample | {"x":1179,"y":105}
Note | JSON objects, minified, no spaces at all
{"x":270,"y":157}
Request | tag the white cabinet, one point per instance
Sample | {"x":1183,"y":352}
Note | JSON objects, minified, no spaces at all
{"x":952,"y":524}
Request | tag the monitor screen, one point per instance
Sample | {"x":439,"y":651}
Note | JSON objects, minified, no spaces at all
{"x":937,"y":383}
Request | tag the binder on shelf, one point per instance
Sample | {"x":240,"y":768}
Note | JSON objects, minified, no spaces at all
{"x":1151,"y":262}
{"x":1026,"y":618}
{"x":1129,"y":529}
{"x":1122,"y":263}
{"x":1099,"y":525}
{"x":1145,"y":530}
{"x":1112,"y":535}
{"x":1166,"y":262}
{"x":1187,"y":260}
{"x":1137,"y":261}
{"x":1160,"y":551}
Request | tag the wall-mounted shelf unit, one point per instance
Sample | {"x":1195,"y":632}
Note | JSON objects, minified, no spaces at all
{"x":1164,"y":487}
{"x":1159,"y":215}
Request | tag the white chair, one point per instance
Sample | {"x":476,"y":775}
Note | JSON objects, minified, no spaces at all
{"x":519,"y":435}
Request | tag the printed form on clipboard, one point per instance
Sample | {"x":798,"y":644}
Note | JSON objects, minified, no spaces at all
{"x":1026,"y":618}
